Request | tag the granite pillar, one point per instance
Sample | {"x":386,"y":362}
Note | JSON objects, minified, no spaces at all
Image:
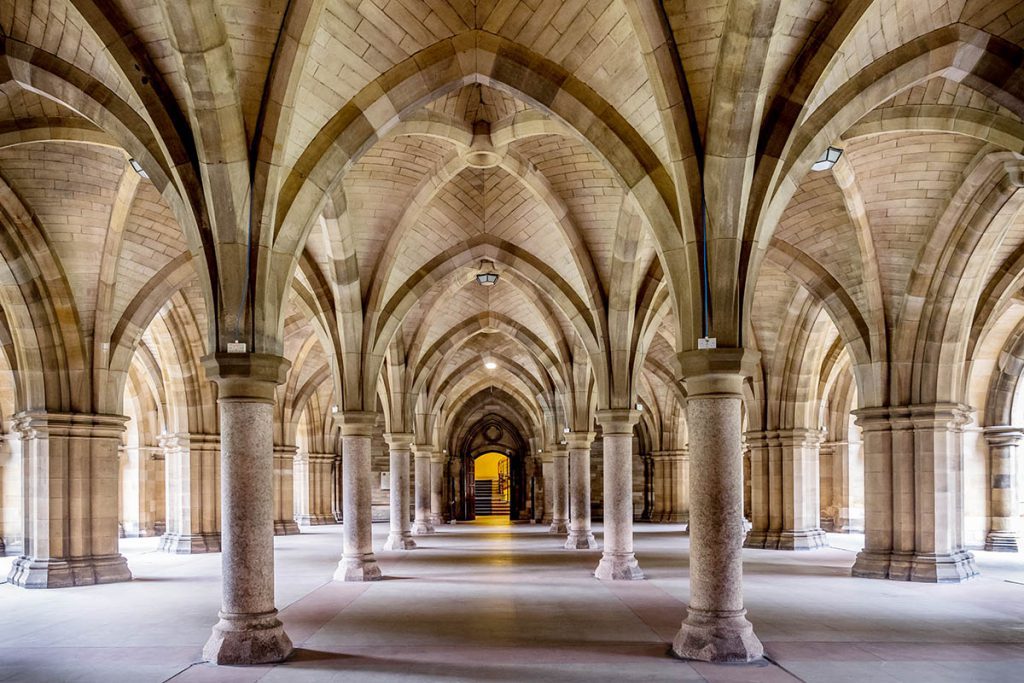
{"x":70,"y":500}
{"x":248,"y":631}
{"x":400,"y":536}
{"x":581,"y":537}
{"x":716,"y":628}
{"x":357,"y":560}
{"x":422,"y":524}
{"x":192,"y":489}
{"x":559,"y":492}
{"x":617,"y":561}
{"x":1003,"y":535}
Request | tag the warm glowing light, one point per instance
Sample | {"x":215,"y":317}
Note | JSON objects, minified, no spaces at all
{"x":490,"y":365}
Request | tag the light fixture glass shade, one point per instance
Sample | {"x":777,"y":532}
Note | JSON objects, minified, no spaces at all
{"x":137,"y":167}
{"x":828,"y":159}
{"x":486,"y":277}
{"x":490,"y":365}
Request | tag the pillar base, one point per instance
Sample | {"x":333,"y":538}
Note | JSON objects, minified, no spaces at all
{"x":436,"y":520}
{"x":285,"y":527}
{"x":871,"y":565}
{"x":952,"y":568}
{"x":190,"y":544}
{"x":360,"y":568}
{"x":32,"y":573}
{"x":721,"y":637}
{"x":1002,"y":542}
{"x":560,"y":527}
{"x":804,"y":539}
{"x":580,"y":540}
{"x":399,"y":542}
{"x":421,"y":528}
{"x":618,"y":568}
{"x":248,"y":639}
{"x":755,"y":539}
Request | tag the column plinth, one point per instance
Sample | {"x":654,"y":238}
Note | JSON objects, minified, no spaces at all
{"x":618,"y":563}
{"x":716,"y":628}
{"x":248,"y":630}
{"x":400,"y":535}
{"x":581,"y":536}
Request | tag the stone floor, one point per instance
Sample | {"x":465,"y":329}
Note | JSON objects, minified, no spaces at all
{"x":497,"y":603}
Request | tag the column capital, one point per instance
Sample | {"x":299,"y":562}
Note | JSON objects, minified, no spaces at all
{"x":617,"y":421}
{"x":1003,"y":435}
{"x":250,"y":376}
{"x":32,"y":424}
{"x":399,"y":441}
{"x":423,"y":450}
{"x":717,"y":371}
{"x":285,"y":450}
{"x":579,"y":441}
{"x":799,"y":437}
{"x":944,"y":415}
{"x":356,"y":422}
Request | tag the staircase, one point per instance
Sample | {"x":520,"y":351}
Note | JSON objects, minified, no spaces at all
{"x":489,"y":500}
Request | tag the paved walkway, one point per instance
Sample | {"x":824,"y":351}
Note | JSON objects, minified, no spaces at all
{"x":497,"y":603}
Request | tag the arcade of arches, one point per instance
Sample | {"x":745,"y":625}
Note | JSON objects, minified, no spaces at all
{"x":248,"y":254}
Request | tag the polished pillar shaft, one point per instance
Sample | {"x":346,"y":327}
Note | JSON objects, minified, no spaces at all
{"x":400,"y":536}
{"x":357,"y":560}
{"x":581,"y":537}
{"x":617,"y":561}
{"x":248,"y":631}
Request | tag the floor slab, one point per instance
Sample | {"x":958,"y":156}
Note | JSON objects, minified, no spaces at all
{"x":506,"y":603}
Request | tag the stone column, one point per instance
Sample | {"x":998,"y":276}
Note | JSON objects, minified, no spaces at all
{"x":422,"y":524}
{"x":1002,"y":453}
{"x":617,"y":561}
{"x":547,"y":474}
{"x":801,"y":509}
{"x":716,"y":628}
{"x":437,"y":488}
{"x":913,"y":462}
{"x":248,"y":631}
{"x":400,"y":537}
{"x":11,"y":505}
{"x":357,"y":560}
{"x":69,"y":496}
{"x":559,"y":492}
{"x":192,"y":488}
{"x":337,"y":504}
{"x":581,"y":537}
{"x":672,"y":468}
{"x":284,"y":490}
{"x":302,"y":474}
{"x":939,"y":554}
{"x":757,"y":442}
{"x":314,"y":488}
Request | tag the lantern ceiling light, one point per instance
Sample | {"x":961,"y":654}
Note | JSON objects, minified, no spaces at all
{"x":490,"y":364}
{"x":828,"y":159}
{"x":487,"y":277}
